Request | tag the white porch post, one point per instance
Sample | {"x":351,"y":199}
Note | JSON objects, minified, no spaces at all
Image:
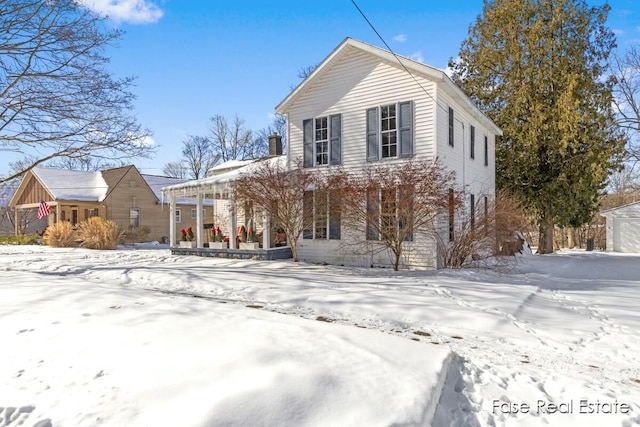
{"x":58,"y":212}
{"x":199,"y":222}
{"x":172,"y":220}
{"x":266,"y":230}
{"x":232,"y":223}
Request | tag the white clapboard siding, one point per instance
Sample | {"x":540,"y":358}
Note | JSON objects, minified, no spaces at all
{"x":357,"y":77}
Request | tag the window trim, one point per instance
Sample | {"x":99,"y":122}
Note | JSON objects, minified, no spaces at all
{"x":486,"y":150}
{"x":472,"y":142}
{"x":404,"y":131}
{"x":331,"y":216}
{"x":375,"y":203}
{"x":333,"y":141}
{"x":451,"y":128}
{"x":131,"y":210}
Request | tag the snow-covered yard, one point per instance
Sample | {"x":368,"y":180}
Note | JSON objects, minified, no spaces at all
{"x":143,"y":338}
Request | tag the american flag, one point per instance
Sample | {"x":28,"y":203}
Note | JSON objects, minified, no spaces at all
{"x":43,"y":210}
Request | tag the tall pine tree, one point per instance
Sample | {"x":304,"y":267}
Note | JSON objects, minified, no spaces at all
{"x":538,"y":69}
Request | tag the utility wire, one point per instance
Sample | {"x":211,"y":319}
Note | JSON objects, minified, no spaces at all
{"x":446,"y":109}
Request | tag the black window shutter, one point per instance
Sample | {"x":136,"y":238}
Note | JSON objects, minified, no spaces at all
{"x":406,"y":129}
{"x":372,"y":134}
{"x":307,"y":138}
{"x":335,"y":125}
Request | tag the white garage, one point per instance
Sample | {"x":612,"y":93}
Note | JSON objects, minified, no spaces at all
{"x":623,"y":228}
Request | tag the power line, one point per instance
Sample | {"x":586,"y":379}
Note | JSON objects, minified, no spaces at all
{"x":397,"y":57}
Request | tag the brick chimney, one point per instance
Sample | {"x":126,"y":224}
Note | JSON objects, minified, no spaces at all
{"x":275,"y":144}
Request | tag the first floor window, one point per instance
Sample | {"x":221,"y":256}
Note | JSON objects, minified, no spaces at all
{"x":451,"y":215}
{"x":389,"y":213}
{"x":88,"y":213}
{"x":134,"y":217}
{"x":472,"y":205}
{"x":323,"y":215}
{"x":178,"y":215}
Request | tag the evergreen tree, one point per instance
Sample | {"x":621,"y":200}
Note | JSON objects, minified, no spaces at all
{"x":538,"y":69}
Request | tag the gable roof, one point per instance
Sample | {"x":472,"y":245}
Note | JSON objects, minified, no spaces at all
{"x":426,"y":71}
{"x":65,"y":184}
{"x":72,"y":185}
{"x":624,"y":209}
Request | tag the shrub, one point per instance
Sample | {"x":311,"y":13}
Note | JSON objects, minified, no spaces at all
{"x":136,"y":234}
{"x":60,"y":235}
{"x":99,"y":233}
{"x":26,"y":239}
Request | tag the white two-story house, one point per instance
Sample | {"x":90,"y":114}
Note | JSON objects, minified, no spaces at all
{"x":364,"y":105}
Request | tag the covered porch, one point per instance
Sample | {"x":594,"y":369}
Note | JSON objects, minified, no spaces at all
{"x":233,"y":218}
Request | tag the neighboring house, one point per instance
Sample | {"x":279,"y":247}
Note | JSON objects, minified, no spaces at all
{"x":364,"y":105}
{"x":623,"y":228}
{"x":123,"y":195}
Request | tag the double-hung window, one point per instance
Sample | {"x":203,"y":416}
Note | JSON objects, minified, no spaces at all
{"x":322,"y":212}
{"x":322,"y":141}
{"x":390,"y":131}
{"x":472,"y":143}
{"x":134,"y":217}
{"x":390,"y":213}
{"x":451,"y":118}
{"x":486,"y":151}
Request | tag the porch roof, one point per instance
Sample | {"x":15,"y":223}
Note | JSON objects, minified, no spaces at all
{"x":218,"y":185}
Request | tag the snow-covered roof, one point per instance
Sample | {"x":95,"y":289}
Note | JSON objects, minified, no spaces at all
{"x":229,"y":165}
{"x":65,"y":184}
{"x":218,"y":183}
{"x":630,"y":208}
{"x":156,"y":183}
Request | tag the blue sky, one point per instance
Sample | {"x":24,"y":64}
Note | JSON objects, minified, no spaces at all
{"x":198,"y":58}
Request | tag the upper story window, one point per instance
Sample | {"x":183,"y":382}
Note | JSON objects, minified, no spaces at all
{"x":486,"y":151}
{"x":472,"y":143}
{"x":390,"y":131}
{"x":322,"y":139}
{"x":451,"y":126}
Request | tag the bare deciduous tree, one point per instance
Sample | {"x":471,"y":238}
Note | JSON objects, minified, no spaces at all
{"x":198,"y":155}
{"x":389,"y":206}
{"x":86,"y":164}
{"x":233,"y":141}
{"x":58,"y":99}
{"x":175,"y":170}
{"x":279,"y":126}
{"x":280,"y":191}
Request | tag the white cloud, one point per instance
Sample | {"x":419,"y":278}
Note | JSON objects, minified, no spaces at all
{"x":618,"y":32}
{"x":417,"y":56}
{"x":131,"y":11}
{"x":401,"y":38}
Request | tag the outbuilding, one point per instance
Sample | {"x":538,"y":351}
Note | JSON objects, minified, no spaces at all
{"x":623,"y":228}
